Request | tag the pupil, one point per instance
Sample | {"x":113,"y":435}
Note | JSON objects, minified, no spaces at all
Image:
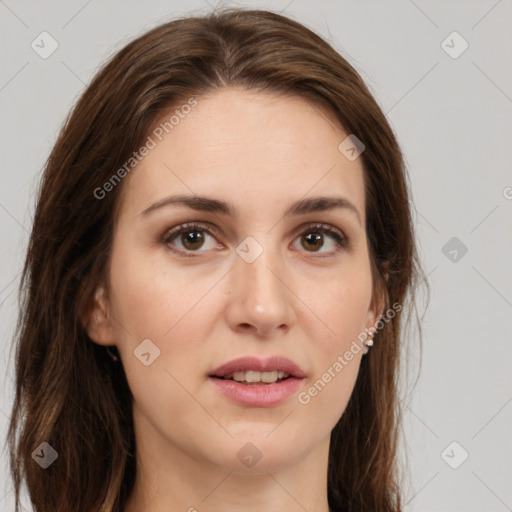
{"x":192,"y":238}
{"x":314,"y":237}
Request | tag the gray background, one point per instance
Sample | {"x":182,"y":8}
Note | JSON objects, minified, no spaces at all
{"x":453,"y":119}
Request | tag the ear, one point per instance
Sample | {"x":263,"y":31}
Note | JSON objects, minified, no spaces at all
{"x":379,"y":299}
{"x":97,"y":321}
{"x":375,"y":312}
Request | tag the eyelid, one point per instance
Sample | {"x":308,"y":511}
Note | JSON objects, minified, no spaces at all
{"x":206,"y":226}
{"x":321,"y":225}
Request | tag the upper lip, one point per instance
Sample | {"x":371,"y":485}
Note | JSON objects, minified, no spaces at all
{"x":268,"y":364}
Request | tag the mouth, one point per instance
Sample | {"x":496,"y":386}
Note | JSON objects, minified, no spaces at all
{"x":255,"y":382}
{"x":253,"y":370}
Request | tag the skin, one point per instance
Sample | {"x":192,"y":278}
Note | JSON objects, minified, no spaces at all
{"x":260,"y":152}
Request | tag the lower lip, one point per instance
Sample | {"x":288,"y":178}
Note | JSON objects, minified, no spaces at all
{"x":261,"y":395}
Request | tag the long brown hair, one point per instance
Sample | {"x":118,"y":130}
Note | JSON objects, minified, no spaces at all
{"x":68,"y":391}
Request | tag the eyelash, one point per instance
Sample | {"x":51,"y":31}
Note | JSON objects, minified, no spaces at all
{"x":339,"y":238}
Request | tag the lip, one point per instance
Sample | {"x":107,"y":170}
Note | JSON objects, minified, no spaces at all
{"x":264,"y":395}
{"x":259,"y":365}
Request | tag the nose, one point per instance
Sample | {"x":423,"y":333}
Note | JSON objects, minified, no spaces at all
{"x":261,"y":300}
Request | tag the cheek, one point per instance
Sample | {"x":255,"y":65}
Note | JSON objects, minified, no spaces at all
{"x":151,"y":297}
{"x":153,"y":301}
{"x":340,"y":304}
{"x":337,"y":354}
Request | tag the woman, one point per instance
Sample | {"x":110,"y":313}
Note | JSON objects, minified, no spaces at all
{"x":222,"y":233}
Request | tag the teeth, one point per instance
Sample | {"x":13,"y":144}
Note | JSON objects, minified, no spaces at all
{"x":252,"y":377}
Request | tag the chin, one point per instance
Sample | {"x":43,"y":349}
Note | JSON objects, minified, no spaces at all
{"x":260,"y":453}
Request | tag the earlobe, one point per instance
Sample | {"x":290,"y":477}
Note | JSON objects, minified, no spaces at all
{"x":98,"y":323}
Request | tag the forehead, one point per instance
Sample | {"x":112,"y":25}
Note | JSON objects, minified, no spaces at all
{"x":251,"y":145}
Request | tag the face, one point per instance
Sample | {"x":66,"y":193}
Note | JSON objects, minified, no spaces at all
{"x":252,"y":275}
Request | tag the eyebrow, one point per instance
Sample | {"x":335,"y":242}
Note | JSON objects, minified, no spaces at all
{"x":207,"y":204}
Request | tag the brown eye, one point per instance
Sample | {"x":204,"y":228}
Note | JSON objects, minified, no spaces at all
{"x":314,"y":238}
{"x":192,"y":238}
